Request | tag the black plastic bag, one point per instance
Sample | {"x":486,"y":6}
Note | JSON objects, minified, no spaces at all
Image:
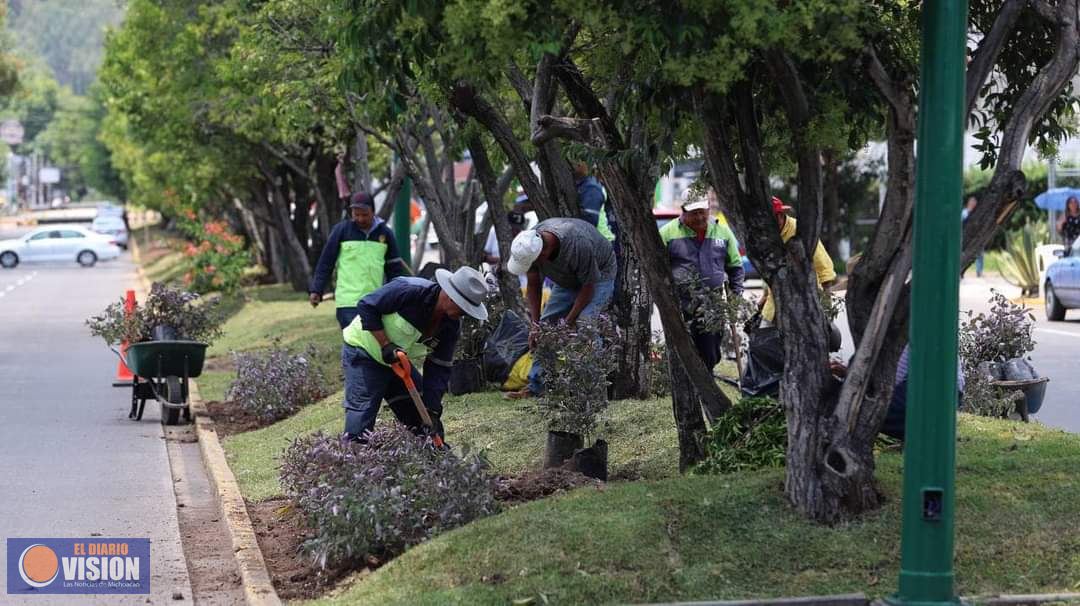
{"x":764,"y":364}
{"x":508,"y":342}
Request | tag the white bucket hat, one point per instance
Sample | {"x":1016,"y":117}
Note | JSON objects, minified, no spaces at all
{"x":524,"y":251}
{"x":467,"y":288}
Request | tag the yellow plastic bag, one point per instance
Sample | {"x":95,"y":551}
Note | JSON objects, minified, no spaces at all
{"x":519,"y":373}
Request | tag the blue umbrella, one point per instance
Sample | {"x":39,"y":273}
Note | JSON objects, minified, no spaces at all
{"x":1054,"y":199}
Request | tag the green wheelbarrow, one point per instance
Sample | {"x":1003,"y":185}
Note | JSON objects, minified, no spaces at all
{"x":162,"y":370}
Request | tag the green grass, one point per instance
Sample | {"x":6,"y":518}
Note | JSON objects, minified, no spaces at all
{"x":667,"y":537}
{"x":259,"y":315}
{"x":642,"y":438}
{"x":727,"y":537}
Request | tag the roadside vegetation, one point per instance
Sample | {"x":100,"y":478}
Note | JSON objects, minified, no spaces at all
{"x":651,"y":534}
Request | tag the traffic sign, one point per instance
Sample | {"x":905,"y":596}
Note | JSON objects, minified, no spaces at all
{"x":49,"y":175}
{"x":11,"y":132}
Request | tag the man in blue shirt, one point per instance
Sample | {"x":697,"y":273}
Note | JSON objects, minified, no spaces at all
{"x":420,"y":318}
{"x":593,"y":203}
{"x":699,"y":247}
{"x":363,"y":251}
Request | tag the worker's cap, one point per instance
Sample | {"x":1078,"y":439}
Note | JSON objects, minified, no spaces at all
{"x":361,"y":199}
{"x":524,"y":251}
{"x":692,"y":205}
{"x":778,"y":206}
{"x":465,"y":287}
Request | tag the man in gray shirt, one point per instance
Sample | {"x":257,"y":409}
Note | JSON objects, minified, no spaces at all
{"x":581,"y":263}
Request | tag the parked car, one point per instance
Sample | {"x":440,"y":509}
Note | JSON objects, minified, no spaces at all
{"x":58,"y":243}
{"x":108,"y":209}
{"x":1061,"y":289}
{"x":113,"y":227}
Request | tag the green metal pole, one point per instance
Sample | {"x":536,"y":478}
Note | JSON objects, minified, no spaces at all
{"x":926,"y":553}
{"x":402,"y":222}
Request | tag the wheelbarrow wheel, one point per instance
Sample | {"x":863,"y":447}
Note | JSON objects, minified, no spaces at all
{"x":170,"y":415}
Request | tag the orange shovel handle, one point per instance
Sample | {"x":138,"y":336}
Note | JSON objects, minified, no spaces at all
{"x":403,"y":369}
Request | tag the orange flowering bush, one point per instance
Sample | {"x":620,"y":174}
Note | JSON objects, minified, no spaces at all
{"x":215,"y":255}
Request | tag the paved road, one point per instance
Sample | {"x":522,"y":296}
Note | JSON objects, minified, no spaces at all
{"x":71,"y":463}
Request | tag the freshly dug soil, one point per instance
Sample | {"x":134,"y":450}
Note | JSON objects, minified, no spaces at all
{"x":540,"y":483}
{"x":280,"y":530}
{"x":230,"y":419}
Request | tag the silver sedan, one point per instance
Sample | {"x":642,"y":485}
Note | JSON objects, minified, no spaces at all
{"x":58,"y":243}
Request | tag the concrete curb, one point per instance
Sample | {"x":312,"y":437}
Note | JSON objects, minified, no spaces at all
{"x":258,"y":588}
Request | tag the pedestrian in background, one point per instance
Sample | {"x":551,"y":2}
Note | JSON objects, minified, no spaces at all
{"x":363,"y":252}
{"x":1068,"y":224}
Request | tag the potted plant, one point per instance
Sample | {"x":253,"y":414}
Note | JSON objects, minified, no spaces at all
{"x":994,"y":351}
{"x":167,"y":314}
{"x":576,"y":361}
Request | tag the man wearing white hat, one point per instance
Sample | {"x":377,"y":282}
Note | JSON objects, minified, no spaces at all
{"x":581,"y":263}
{"x":420,"y":318}
{"x":700,"y":247}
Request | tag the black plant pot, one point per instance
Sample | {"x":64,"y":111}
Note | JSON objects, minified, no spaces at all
{"x":466,"y":376}
{"x":592,"y":461}
{"x":561,"y":446}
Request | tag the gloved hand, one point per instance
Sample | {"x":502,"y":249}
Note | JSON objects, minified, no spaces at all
{"x":389,"y":353}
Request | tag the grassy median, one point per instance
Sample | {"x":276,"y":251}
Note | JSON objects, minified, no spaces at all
{"x":660,"y":536}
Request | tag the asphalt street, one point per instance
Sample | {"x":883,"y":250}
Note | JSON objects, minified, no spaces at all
{"x":71,"y":463}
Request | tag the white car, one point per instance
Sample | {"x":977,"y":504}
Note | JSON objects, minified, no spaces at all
{"x":58,"y":243}
{"x":111,"y":227}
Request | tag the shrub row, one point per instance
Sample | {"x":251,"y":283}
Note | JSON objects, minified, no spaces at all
{"x":381,"y":497}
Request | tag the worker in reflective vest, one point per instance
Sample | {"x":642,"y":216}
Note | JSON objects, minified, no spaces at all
{"x":363,"y":251}
{"x":420,"y":318}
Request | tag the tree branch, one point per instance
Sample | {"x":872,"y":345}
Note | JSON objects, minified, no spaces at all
{"x":466,"y":100}
{"x":808,"y":156}
{"x":583,"y":130}
{"x":985,"y":56}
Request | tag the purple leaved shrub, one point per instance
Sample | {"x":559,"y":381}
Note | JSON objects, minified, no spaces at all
{"x":275,"y":383}
{"x":381,"y":497}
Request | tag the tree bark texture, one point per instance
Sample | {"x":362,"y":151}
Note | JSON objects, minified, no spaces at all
{"x":294,"y":254}
{"x":509,"y":285}
{"x":686,"y":406}
{"x":632,"y":310}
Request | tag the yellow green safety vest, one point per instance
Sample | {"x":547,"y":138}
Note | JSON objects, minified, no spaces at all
{"x":397,"y":329}
{"x":602,"y":225}
{"x":361,"y":268}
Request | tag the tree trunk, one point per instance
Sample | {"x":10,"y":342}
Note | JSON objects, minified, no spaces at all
{"x":300,"y":199}
{"x":295,"y":255}
{"x":361,"y":164}
{"x":830,"y":233}
{"x":509,"y":285}
{"x":686,"y":405}
{"x":632,"y":309}
{"x":633,"y":210}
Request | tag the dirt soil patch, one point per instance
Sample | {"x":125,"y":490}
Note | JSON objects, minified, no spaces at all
{"x":538,"y":484}
{"x":230,"y":419}
{"x":281,"y":530}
